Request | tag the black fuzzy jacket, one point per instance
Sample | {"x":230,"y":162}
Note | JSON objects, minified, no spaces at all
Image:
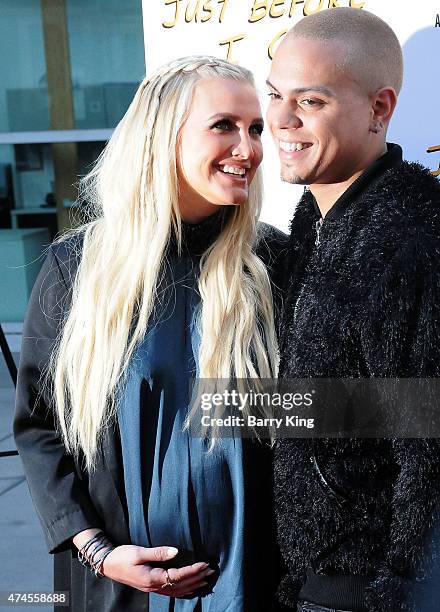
{"x":363,"y":302}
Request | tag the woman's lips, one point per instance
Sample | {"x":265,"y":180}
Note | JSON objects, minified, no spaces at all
{"x":241,"y":178}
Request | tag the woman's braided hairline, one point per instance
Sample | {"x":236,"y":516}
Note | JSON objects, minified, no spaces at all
{"x":193,"y":64}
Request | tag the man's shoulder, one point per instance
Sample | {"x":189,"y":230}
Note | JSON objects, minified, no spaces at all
{"x":411,"y":189}
{"x":270,"y":232}
{"x":413,"y":172}
{"x":406,"y":203}
{"x":400,"y":222}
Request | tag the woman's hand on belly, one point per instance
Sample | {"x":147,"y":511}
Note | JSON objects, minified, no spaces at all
{"x":136,"y":566}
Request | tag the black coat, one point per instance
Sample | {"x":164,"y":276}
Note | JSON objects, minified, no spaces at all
{"x":364,"y":302}
{"x":67,"y":499}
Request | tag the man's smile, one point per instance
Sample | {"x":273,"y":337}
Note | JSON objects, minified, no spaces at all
{"x":288,"y":147}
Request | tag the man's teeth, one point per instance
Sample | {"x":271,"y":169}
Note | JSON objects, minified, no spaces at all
{"x":293,"y":146}
{"x":234,"y":170}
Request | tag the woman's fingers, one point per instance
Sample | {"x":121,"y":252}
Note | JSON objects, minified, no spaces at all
{"x":188,"y":586}
{"x":157,"y":577}
{"x":157,"y":554}
{"x":189,"y":571}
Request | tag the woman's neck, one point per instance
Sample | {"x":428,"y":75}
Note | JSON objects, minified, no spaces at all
{"x":192,"y":213}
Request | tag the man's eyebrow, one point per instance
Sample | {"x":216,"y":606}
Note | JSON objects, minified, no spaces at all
{"x":303,"y":90}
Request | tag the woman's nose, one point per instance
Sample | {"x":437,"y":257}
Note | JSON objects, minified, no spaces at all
{"x":243,"y":148}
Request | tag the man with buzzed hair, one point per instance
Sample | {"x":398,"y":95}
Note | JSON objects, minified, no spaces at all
{"x":362,"y":300}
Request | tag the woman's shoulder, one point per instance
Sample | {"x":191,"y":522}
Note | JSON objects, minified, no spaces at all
{"x":66,"y":254}
{"x":52,"y":289}
{"x":68,"y":247}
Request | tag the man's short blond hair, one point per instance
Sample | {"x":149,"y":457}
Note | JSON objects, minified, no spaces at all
{"x":372,"y":53}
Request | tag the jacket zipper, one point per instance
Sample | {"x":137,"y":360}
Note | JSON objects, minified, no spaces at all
{"x":318,"y":226}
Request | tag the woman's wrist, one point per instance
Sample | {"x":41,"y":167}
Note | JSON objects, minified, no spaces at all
{"x":93,"y":548}
{"x":83,"y":537}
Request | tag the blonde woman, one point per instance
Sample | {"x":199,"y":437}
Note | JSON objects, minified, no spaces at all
{"x":166,"y":281}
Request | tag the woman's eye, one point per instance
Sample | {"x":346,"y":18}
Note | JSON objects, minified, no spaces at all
{"x":257,"y":128}
{"x":274,"y":96}
{"x":223,"y":124}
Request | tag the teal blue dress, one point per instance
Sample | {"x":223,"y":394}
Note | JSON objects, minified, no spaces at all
{"x":205,"y":504}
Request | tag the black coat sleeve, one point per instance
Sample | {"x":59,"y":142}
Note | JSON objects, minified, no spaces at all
{"x":58,"y":490}
{"x":401,"y":338}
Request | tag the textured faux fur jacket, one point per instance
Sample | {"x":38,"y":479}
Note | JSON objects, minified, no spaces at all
{"x":362,"y":300}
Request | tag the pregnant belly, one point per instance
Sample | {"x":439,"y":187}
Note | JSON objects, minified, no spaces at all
{"x":196,"y":501}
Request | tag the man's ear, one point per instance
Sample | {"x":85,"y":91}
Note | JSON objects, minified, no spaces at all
{"x":383,"y":104}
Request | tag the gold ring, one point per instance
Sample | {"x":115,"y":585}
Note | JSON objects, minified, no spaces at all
{"x":168,"y":582}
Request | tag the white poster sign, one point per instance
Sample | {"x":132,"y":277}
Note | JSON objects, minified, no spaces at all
{"x":247,"y":32}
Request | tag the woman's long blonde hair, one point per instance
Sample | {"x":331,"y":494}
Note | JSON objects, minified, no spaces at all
{"x":133,"y":194}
